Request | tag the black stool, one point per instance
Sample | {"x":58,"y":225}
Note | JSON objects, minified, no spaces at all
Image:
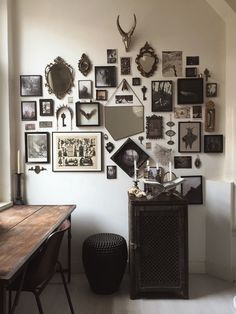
{"x":104,"y":259}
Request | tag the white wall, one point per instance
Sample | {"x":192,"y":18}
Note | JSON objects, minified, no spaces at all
{"x":46,"y":29}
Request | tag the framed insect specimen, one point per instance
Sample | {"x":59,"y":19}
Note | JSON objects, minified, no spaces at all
{"x":87,"y":114}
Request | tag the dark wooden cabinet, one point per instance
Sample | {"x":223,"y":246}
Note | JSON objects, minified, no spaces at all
{"x":158,"y":247}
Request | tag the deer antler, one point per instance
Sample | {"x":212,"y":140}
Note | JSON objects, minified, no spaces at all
{"x":126,"y":37}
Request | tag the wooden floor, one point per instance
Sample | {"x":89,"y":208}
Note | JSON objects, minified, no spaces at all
{"x":208,"y":295}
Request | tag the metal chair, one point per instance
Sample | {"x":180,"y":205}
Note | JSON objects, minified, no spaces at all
{"x":40,"y":270}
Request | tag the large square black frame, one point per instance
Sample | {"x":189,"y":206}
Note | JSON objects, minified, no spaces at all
{"x":190,"y":91}
{"x":105,"y":76}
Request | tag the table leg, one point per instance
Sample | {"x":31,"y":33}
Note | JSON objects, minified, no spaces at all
{"x":3,"y":299}
{"x":69,"y":253}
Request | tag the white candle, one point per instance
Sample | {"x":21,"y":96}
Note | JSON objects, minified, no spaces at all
{"x":135,"y":170}
{"x":18,"y":161}
{"x":157,"y":166}
{"x":170,"y":171}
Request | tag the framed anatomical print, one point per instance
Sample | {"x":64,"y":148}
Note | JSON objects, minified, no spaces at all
{"x":189,"y":137}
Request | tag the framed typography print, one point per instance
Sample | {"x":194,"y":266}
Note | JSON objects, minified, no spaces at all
{"x":189,"y":137}
{"x":87,"y":114}
{"x":191,"y":189}
{"x":31,"y":85}
{"x":37,"y":147}
{"x":162,"y":96}
{"x":190,"y":91}
{"x":77,"y":151}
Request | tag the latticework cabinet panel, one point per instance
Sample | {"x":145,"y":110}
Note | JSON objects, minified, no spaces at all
{"x":158,"y":247}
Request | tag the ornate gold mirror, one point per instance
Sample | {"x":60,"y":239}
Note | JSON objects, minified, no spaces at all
{"x":147,"y":60}
{"x":84,"y":64}
{"x":59,"y":77}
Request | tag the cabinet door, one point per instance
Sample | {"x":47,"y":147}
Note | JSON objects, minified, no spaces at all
{"x":161,"y":254}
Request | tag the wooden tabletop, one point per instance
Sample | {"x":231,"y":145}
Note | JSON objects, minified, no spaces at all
{"x":23,"y":228}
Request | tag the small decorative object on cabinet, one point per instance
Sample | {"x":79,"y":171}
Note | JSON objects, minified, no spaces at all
{"x":158,"y":247}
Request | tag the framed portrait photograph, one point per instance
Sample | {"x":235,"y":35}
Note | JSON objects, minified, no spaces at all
{"x":191,"y":189}
{"x":46,"y":107}
{"x":211,"y":89}
{"x":77,"y":151}
{"x":125,"y":65}
{"x":162,"y":93}
{"x":87,"y":114}
{"x":31,"y":85}
{"x":154,"y":127}
{"x":190,"y":91}
{"x":213,"y":143}
{"x":189,"y":137}
{"x":105,"y":76}
{"x":125,"y":156}
{"x":183,"y":162}
{"x":111,"y":55}
{"x":85,"y":89}
{"x":111,"y":172}
{"x":136,"y":81}
{"x":28,"y":111}
{"x":101,"y":94}
{"x":37,"y":147}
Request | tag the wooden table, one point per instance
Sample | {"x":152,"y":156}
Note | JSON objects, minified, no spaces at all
{"x":23,"y":228}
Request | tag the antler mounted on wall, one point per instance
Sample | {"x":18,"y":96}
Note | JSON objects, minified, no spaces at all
{"x":126,"y":37}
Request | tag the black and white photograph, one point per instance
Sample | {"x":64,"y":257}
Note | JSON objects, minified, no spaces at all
{"x":211,"y":89}
{"x":189,"y":137}
{"x":28,"y":110}
{"x":154,"y":127}
{"x":77,"y":151}
{"x":45,"y":124}
{"x":123,"y":99}
{"x":101,"y":94}
{"x":136,"y":81}
{"x":183,"y":162}
{"x":31,"y":85}
{"x":87,"y":113}
{"x":162,"y":93}
{"x":85,"y":89}
{"x":191,"y":72}
{"x":191,"y":189}
{"x":30,"y":126}
{"x":197,"y":112}
{"x":105,"y":76}
{"x":37,"y":147}
{"x":46,"y":107}
{"x":182,"y":112}
{"x":213,"y":143}
{"x":126,"y":156}
{"x":111,"y":172}
{"x":172,"y":63}
{"x":192,"y":60}
{"x":111,"y":56}
{"x":190,"y":91}
{"x":125,"y":66}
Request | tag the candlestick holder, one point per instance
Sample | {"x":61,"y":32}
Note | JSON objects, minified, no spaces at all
{"x":18,"y":200}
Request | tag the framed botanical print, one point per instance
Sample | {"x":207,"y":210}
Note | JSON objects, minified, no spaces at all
{"x":189,"y":137}
{"x":190,"y":91}
{"x":31,"y":85}
{"x":213,"y":143}
{"x":77,"y":151}
{"x":162,"y":92}
{"x":37,"y":147}
{"x":28,"y":110}
{"x":191,"y":189}
{"x":154,"y":127}
{"x":87,"y":113}
{"x":46,"y":107}
{"x":125,"y":156}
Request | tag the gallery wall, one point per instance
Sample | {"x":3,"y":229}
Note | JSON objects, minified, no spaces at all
{"x":45,"y":30}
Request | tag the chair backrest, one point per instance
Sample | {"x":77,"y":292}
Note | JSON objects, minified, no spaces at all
{"x":44,"y":263}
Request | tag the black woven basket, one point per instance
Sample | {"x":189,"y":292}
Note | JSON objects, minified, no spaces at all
{"x":104,"y":259}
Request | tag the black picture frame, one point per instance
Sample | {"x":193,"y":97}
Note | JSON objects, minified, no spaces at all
{"x":182,"y":162}
{"x":85,"y":89}
{"x":192,"y":60}
{"x":191,"y":189}
{"x":190,"y":91}
{"x":31,"y":85}
{"x":191,"y":72}
{"x":111,"y":172}
{"x":105,"y":76}
{"x":46,"y":107}
{"x":101,"y":94}
{"x":154,"y":127}
{"x":111,"y":55}
{"x":136,"y":81}
{"x":28,"y":110}
{"x":87,"y":113}
{"x":125,"y":65}
{"x":37,"y":147}
{"x":162,"y":95}
{"x":77,"y":152}
{"x":189,"y":140}
{"x":213,"y":143}
{"x":124,"y":157}
{"x":211,"y":90}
